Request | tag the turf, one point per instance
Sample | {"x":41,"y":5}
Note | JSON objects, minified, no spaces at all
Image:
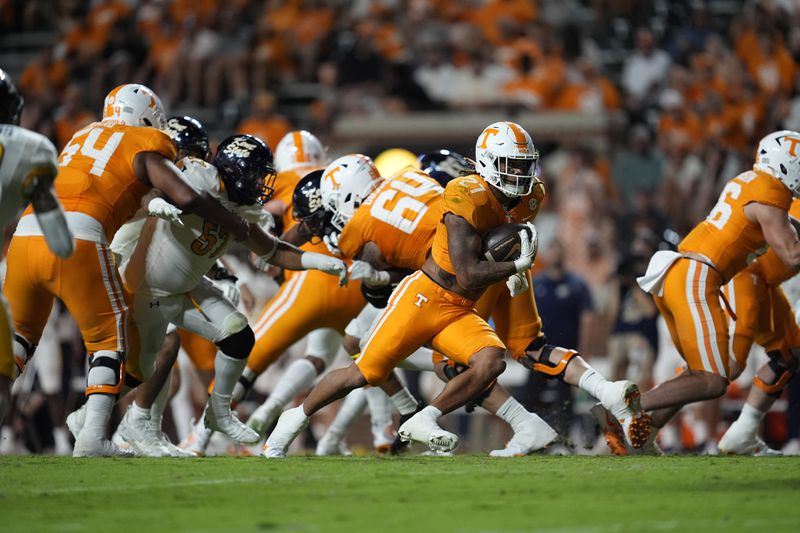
{"x":460,"y":494}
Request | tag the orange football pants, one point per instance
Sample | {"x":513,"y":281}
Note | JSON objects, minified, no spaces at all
{"x":763,"y":315}
{"x":421,"y":312}
{"x":202,"y":352}
{"x":6,"y":352}
{"x":306,"y":301}
{"x":87,"y":282}
{"x":693,"y":312}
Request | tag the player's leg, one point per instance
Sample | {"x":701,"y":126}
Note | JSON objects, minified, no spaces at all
{"x":207,"y":313}
{"x":48,"y":365}
{"x":782,"y":343}
{"x":321,"y":348}
{"x":332,"y":442}
{"x":7,"y":368}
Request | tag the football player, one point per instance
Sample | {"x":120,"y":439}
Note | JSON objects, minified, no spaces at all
{"x":165,"y":272}
{"x":436,"y":305}
{"x":27,"y":170}
{"x":104,"y":173}
{"x":752,"y":212}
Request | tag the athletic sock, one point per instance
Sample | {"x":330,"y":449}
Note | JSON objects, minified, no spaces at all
{"x":160,"y":404}
{"x":380,"y":412}
{"x":299,"y":376}
{"x":139,"y":413}
{"x":352,"y":407}
{"x":98,"y":411}
{"x":404,"y":402}
{"x":431,"y":412}
{"x":750,"y":418}
{"x":593,"y":383}
{"x":514,"y":413}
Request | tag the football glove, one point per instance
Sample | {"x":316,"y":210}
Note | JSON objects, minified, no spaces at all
{"x":370,"y":276}
{"x":517,"y":284}
{"x":331,"y":240}
{"x":529,"y":244}
{"x":324,"y":263}
{"x":229,"y":290}
{"x":158,"y":207}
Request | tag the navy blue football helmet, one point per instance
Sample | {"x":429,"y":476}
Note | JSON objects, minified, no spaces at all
{"x":10,"y":100}
{"x":245,"y":164}
{"x":444,"y":165}
{"x":189,"y":136}
{"x":307,"y":208}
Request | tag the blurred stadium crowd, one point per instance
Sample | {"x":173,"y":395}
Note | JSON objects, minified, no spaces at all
{"x":695,"y":82}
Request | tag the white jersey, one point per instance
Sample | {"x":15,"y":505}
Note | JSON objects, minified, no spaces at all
{"x":22,"y":152}
{"x":169,"y":258}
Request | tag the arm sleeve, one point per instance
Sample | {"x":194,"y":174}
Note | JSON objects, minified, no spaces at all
{"x":459,"y":200}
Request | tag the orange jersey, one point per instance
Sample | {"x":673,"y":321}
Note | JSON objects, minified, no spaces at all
{"x":727,"y":237}
{"x":285,"y":184}
{"x":400,"y":216}
{"x":96,"y":175}
{"x":471,"y":198}
{"x":769,"y":266}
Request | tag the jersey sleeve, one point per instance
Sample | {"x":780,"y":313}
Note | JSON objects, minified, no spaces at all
{"x":462,"y":198}
{"x":768,"y":190}
{"x":42,"y":162}
{"x":529,"y":206}
{"x":351,"y":238}
{"x":200,"y":176}
{"x":161,"y":143}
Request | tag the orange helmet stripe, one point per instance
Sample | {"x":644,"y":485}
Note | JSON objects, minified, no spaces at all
{"x":519,"y":133}
{"x":298,"y":142}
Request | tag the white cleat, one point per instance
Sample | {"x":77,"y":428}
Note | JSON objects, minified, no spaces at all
{"x":739,"y":441}
{"x":99,"y":448}
{"x":622,"y":400}
{"x":263,"y":418}
{"x":792,"y":447}
{"x":75,"y":421}
{"x":219,"y":417}
{"x":142,"y":437}
{"x":422,"y":427}
{"x":330,"y":445}
{"x":169,"y":447}
{"x":535,"y":436}
{"x":196,"y":442}
{"x":289,"y":426}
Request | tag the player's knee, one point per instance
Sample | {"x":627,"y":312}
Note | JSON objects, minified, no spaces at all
{"x":239,"y":344}
{"x":234,"y":323}
{"x":106,"y":373}
{"x":318,"y":362}
{"x":716,"y":385}
{"x":351,"y":344}
{"x":547,"y":359}
{"x":490,"y":363}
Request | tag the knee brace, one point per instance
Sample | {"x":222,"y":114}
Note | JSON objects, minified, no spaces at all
{"x":537,"y":358}
{"x":106,"y":373}
{"x":239,"y":344}
{"x":784,"y":367}
{"x":23,"y":351}
{"x":452,"y":369}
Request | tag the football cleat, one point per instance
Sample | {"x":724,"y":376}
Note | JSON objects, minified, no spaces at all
{"x":422,"y":427}
{"x":623,"y":401}
{"x":99,"y":448}
{"x":330,"y":445}
{"x":399,"y":444}
{"x":219,"y":417}
{"x":75,"y":421}
{"x":142,"y":437}
{"x":289,"y":426}
{"x":171,"y":449}
{"x":264,"y":417}
{"x":196,"y":442}
{"x":536,"y":435}
{"x":611,"y":429}
{"x":740,"y":441}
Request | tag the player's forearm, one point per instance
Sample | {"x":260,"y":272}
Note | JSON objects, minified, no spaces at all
{"x":209,"y":208}
{"x":288,"y":256}
{"x":481,"y":274}
{"x":294,"y":236}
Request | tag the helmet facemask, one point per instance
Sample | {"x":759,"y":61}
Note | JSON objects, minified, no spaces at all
{"x":513,"y":175}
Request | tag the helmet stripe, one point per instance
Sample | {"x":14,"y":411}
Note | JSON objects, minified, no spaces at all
{"x":519,"y":134}
{"x":298,"y":142}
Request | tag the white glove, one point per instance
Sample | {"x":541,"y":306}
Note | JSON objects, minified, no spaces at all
{"x":158,"y":207}
{"x":517,"y":284}
{"x":527,"y":253}
{"x":372,"y":277}
{"x":266,"y":221}
{"x":229,"y":290}
{"x":324,"y":263}
{"x":331,"y":240}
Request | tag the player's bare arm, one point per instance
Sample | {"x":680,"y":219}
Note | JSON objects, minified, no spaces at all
{"x":157,"y":171}
{"x":778,"y":231}
{"x":295,"y":235}
{"x":472,"y":274}
{"x":48,"y":211}
{"x":371,"y":254}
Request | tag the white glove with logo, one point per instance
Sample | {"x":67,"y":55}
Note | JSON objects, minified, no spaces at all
{"x":517,"y":284}
{"x":331,"y":240}
{"x":158,"y":207}
{"x":266,"y":221}
{"x":372,"y":277}
{"x":229,"y":290}
{"x":324,"y":263}
{"x":528,"y":248}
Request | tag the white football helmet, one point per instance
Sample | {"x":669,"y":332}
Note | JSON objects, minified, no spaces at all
{"x":345,"y":184}
{"x":507,"y":159}
{"x":135,"y":105}
{"x":778,"y":155}
{"x":299,"y":148}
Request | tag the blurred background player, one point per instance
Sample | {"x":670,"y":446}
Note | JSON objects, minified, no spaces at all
{"x":27,"y":171}
{"x":105,"y":171}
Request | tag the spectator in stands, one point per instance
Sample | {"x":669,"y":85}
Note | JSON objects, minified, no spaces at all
{"x":226,"y":67}
{"x":71,"y":116}
{"x":264,"y":121}
{"x":644,"y":70}
{"x":436,"y":75}
{"x":588,"y":91}
{"x":636,"y":166}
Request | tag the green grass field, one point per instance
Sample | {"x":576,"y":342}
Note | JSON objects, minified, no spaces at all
{"x":460,"y":494}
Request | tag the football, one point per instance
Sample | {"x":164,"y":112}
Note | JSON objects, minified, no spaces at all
{"x":503,"y":243}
